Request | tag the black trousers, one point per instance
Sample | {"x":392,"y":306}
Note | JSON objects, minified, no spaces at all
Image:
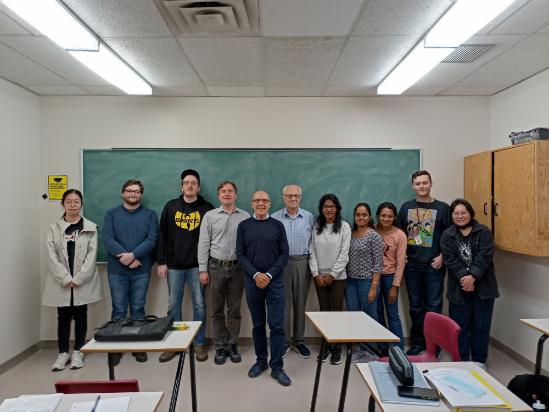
{"x":64,"y":316}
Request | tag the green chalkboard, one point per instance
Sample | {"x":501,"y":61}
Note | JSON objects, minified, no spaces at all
{"x":354,"y":175}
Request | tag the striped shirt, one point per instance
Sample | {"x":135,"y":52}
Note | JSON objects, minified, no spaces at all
{"x":298,"y":229}
{"x":365,"y":256}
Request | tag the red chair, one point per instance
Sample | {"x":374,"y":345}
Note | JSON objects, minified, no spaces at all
{"x":439,"y":331}
{"x":129,"y":385}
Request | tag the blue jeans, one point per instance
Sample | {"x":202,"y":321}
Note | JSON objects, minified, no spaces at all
{"x":176,"y":287}
{"x":475,"y":319}
{"x":128,"y":290}
{"x":356,"y":298}
{"x":425,"y":286}
{"x":393,"y":319}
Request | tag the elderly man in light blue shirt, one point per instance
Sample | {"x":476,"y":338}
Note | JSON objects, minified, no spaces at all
{"x":297,"y":276}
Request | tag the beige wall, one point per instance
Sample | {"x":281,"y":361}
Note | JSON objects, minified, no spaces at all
{"x":445,"y":128}
{"x":524,"y":281}
{"x":19,"y":251}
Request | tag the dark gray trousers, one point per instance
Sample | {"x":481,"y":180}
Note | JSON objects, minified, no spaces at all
{"x":297,"y":279}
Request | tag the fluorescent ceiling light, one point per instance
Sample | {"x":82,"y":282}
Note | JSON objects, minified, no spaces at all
{"x":415,"y":65}
{"x":53,"y":20}
{"x":111,"y":68}
{"x":465,"y":18}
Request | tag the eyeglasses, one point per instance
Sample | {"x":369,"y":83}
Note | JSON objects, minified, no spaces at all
{"x":260,"y":200}
{"x":193,"y":183}
{"x":460,"y":214}
{"x":292,"y":196}
{"x":132,"y":192}
{"x":327,"y":207}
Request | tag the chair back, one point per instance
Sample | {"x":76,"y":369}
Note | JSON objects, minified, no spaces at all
{"x":128,"y":385}
{"x":440,"y":330}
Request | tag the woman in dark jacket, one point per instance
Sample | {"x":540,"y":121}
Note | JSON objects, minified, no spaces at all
{"x":467,"y":249}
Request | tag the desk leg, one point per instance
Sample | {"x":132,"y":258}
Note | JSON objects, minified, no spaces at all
{"x":371,"y":404}
{"x":193,"y":377}
{"x":176,"y":383}
{"x":345,"y":377}
{"x":539,"y":354}
{"x":110,"y":362}
{"x":317,"y":376}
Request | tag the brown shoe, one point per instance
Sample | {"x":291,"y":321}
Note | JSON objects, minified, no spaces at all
{"x":167,"y":356}
{"x":201,"y":353}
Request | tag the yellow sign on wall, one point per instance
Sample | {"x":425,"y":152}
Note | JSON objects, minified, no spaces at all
{"x":57,"y":185}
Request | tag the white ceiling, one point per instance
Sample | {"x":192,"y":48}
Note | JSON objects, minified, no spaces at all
{"x":306,"y":48}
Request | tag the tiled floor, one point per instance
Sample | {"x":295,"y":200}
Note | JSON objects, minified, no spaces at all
{"x":225,"y":388}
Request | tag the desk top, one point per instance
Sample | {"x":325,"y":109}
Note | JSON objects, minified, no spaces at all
{"x":350,"y":327}
{"x":517,"y":404}
{"x":139,"y":401}
{"x":540,"y":324}
{"x":174,"y":341}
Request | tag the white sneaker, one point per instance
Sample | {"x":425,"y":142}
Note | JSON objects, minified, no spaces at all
{"x":62,"y":359}
{"x":77,"y":360}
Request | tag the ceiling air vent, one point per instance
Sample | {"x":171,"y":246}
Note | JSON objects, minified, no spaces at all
{"x":202,"y":18}
{"x":466,"y":53}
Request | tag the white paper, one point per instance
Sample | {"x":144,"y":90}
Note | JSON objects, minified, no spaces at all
{"x":31,"y":403}
{"x":118,"y":404}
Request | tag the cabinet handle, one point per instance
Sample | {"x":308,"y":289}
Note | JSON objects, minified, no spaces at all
{"x":496,"y":209}
{"x":485,"y":208}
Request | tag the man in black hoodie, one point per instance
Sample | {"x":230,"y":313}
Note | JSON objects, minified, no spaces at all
{"x":177,"y":255}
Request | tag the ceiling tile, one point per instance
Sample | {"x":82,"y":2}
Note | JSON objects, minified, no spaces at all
{"x":58,"y":90}
{"x":502,"y":17}
{"x":179,"y":91}
{"x":48,"y":54}
{"x":235,"y":61}
{"x":10,"y":26}
{"x":528,"y":19}
{"x":294,"y":91}
{"x":301,"y":61}
{"x":236,"y":91}
{"x":367,"y":60}
{"x":350,"y":91}
{"x":301,"y":18}
{"x":404,"y":17}
{"x":523,"y":60}
{"x":159,"y":60}
{"x":21,"y":70}
{"x":471,"y":91}
{"x":451,"y":73}
{"x":120,"y":18}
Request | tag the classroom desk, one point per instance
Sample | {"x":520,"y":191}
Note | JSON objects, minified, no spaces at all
{"x":364,"y":369}
{"x":349,"y":328}
{"x":139,"y":401}
{"x":174,"y":341}
{"x":541,"y":325}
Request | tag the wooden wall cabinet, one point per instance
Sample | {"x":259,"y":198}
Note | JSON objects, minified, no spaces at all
{"x":509,"y":189}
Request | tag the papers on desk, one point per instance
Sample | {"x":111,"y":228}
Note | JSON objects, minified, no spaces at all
{"x":387,"y":383}
{"x":467,"y":391}
{"x":31,"y":403}
{"x":118,"y":404}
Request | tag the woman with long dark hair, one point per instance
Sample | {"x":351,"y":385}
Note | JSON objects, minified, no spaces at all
{"x":329,"y":254}
{"x":467,"y":249}
{"x":73,"y":279}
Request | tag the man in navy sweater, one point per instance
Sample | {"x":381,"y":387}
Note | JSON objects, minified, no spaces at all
{"x":262,"y":251}
{"x":129,"y":236}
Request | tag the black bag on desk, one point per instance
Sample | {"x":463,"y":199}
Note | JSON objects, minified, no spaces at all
{"x":126,"y":330}
{"x":524,"y":386}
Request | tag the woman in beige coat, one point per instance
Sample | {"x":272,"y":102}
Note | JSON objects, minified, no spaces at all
{"x":73,"y":279}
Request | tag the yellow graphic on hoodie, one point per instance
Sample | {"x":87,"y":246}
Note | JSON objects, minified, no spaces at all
{"x":188,"y":222}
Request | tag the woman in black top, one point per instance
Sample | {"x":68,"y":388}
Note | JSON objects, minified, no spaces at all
{"x":467,"y":249}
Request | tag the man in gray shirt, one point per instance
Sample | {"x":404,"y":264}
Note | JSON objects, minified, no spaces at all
{"x":219,"y":268}
{"x":297,"y":276}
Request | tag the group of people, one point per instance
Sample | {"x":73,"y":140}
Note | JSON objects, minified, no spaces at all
{"x":272,"y":257}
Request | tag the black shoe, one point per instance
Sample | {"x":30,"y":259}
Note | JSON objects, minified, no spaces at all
{"x":303,"y":351}
{"x":281,"y":377}
{"x":140,"y":356}
{"x":323,"y":357}
{"x":414,"y":350}
{"x":116,"y":358}
{"x":220,"y":356}
{"x":257,"y":369}
{"x":232,"y":352}
{"x":335,"y":359}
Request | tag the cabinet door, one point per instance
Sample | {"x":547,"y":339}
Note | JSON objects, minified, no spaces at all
{"x":477,"y":185}
{"x":514,"y":199}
